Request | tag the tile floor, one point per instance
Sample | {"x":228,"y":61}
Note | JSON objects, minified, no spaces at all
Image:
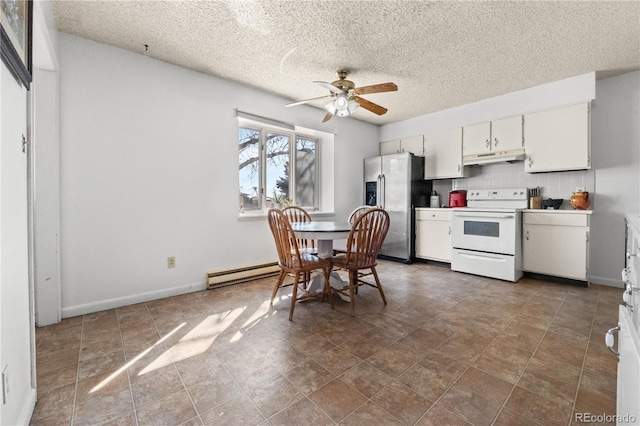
{"x":449,"y":349}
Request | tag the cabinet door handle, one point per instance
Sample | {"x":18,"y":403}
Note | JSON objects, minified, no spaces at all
{"x":495,"y":142}
{"x":527,"y":235}
{"x":487,"y":144}
{"x":458,"y":168}
{"x":530,"y":162}
{"x":449,"y":230}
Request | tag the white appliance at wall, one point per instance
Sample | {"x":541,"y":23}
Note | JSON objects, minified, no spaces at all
{"x":628,"y":391}
{"x":395,"y":183}
{"x":487,"y":234}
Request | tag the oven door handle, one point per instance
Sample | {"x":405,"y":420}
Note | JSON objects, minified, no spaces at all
{"x":485,"y":215}
{"x":482,"y":257}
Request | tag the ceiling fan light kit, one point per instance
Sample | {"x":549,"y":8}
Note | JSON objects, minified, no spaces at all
{"x":342,"y":106}
{"x":346,"y":96}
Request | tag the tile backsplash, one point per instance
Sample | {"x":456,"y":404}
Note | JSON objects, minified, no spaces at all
{"x":510,"y":175}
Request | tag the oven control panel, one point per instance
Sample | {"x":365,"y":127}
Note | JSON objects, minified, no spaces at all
{"x":498,"y":194}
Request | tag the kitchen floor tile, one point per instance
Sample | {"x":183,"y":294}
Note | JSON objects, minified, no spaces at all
{"x":366,"y":379}
{"x":469,"y":405}
{"x":447,"y":349}
{"x":337,"y":399}
{"x":402,"y":402}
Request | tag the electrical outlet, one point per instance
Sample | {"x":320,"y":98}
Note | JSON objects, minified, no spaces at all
{"x":171,"y":262}
{"x":5,"y":384}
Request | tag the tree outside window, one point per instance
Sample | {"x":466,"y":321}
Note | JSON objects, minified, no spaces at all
{"x":266,"y":162}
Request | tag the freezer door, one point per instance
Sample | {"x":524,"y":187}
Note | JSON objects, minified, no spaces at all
{"x":396,"y":200}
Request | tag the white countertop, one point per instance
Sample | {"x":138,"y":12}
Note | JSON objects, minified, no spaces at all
{"x":556,"y":211}
{"x":426,"y":209}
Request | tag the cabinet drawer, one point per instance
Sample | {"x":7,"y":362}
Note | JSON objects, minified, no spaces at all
{"x":560,"y":219}
{"x":434,"y":214}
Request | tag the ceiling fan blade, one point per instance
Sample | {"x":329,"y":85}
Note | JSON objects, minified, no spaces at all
{"x":327,"y":117}
{"x":368,"y":105}
{"x":307,"y":100}
{"x":329,"y":87}
{"x":376,"y":88}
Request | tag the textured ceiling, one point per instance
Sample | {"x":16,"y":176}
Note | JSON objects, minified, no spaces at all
{"x":440,"y":54}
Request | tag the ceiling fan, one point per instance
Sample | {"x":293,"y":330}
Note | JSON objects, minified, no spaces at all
{"x":347,"y":96}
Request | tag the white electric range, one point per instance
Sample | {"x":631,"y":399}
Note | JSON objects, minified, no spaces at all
{"x":487,"y":234}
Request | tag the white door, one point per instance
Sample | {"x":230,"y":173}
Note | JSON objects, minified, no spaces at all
{"x":555,"y":250}
{"x":15,"y":323}
{"x":506,"y":134}
{"x":413,"y":144}
{"x":476,"y":139}
{"x":433,"y":240}
{"x":557,"y":139}
{"x":443,"y":154}
{"x":628,"y":392}
{"x":390,"y":147}
{"x":493,"y":232}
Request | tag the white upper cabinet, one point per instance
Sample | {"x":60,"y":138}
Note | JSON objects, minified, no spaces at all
{"x":390,"y":147}
{"x":443,"y":154}
{"x":558,"y":139}
{"x":498,"y":135}
{"x":506,"y":134}
{"x":476,"y":139}
{"x":412,"y":144}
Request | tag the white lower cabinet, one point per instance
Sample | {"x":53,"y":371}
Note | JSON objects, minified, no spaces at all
{"x":433,"y":234}
{"x":556,"y":243}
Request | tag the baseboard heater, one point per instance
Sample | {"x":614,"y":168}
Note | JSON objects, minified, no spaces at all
{"x":225,"y":277}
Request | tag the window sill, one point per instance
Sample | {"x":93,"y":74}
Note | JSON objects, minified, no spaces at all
{"x":261,"y":215}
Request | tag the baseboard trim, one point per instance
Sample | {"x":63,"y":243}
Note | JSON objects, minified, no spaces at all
{"x":606,"y":281}
{"x":27,"y":408}
{"x":88,"y":308}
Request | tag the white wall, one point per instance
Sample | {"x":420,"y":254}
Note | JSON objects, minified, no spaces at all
{"x":149,"y":170}
{"x":615,"y":150}
{"x":558,"y":93}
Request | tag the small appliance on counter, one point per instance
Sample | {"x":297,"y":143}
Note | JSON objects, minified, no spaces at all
{"x":458,"y":198}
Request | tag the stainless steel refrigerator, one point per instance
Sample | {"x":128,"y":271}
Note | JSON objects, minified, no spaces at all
{"x":396,"y":183}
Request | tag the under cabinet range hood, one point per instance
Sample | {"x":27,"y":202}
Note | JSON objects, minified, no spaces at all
{"x":494,"y":157}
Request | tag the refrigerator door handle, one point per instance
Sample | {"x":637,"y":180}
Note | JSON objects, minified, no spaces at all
{"x":378,"y":190}
{"x":384,"y":191}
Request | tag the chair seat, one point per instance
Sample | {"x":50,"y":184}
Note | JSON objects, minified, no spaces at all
{"x":340,"y":261}
{"x":308,"y":260}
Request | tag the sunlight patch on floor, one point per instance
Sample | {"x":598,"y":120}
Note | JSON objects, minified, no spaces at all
{"x":196,"y":341}
{"x":134,"y":360}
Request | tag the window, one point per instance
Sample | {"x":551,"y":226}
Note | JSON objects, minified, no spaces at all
{"x":272,"y":169}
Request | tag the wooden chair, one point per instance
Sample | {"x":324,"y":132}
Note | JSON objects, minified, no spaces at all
{"x":363,"y":245}
{"x":298,"y":214}
{"x":293,"y":261}
{"x":356,"y":213}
